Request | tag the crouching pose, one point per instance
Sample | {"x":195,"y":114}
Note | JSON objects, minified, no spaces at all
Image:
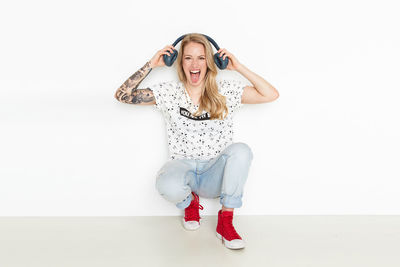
{"x":198,"y":110}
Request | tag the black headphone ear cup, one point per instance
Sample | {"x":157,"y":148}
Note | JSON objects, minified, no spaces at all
{"x":169,"y":60}
{"x":220,"y":62}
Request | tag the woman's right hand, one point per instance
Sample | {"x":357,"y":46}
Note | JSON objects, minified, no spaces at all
{"x":157,"y":60}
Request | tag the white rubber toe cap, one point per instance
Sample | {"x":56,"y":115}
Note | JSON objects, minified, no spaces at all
{"x":190,"y":225}
{"x":233,"y":244}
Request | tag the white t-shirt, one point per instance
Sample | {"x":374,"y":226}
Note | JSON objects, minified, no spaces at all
{"x":196,"y":137}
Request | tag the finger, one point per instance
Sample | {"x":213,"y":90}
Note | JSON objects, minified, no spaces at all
{"x":224,"y":51}
{"x":167,"y":49}
{"x":170,"y":48}
{"x":227,"y":54}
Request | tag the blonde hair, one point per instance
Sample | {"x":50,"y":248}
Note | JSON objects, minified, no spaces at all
{"x":211,"y":100}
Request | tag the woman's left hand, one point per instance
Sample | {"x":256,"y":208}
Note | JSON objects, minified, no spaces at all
{"x":233,"y":62}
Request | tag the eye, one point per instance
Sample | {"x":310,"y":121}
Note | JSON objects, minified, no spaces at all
{"x":202,"y":58}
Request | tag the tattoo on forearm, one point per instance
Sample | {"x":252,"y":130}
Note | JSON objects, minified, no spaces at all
{"x":128,"y":92}
{"x":141,"y":96}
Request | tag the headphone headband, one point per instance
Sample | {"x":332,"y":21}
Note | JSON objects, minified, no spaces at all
{"x":208,"y":38}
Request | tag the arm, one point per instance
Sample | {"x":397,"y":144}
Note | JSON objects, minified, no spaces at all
{"x":128,"y":92}
{"x":260,"y":92}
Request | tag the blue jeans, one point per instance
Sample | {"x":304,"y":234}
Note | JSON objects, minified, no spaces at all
{"x":223,"y":176}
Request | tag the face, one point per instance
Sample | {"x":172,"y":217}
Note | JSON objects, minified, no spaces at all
{"x":194,"y":63}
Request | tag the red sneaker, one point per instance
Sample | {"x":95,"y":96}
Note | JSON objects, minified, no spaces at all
{"x":191,"y":221}
{"x":226,"y":232}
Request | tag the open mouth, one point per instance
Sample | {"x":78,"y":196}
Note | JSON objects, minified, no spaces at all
{"x":195,"y":75}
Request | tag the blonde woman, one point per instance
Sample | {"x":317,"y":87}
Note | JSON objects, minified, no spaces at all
{"x":198,"y":110}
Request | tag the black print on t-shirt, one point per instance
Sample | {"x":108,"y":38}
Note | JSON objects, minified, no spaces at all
{"x":186,"y":113}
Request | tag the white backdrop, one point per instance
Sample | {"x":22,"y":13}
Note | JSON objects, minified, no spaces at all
{"x":328,"y":145}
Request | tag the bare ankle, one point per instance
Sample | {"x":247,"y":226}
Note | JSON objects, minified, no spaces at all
{"x":226,"y":209}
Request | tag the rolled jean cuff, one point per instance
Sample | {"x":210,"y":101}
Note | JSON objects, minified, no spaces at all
{"x":184,"y":204}
{"x":231,"y":202}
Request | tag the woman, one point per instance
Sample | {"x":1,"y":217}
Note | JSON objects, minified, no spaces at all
{"x":198,"y":111}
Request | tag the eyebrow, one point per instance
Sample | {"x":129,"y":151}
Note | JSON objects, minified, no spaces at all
{"x":191,"y":55}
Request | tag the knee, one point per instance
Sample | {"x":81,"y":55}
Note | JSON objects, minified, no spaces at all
{"x":242,"y":150}
{"x":170,"y":187}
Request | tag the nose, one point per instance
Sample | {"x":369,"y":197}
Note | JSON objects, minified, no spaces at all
{"x":196,"y":63}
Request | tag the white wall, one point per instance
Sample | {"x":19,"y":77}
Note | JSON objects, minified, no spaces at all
{"x":328,"y":145}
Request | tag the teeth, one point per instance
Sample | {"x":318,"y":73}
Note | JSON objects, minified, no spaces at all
{"x":195,"y":71}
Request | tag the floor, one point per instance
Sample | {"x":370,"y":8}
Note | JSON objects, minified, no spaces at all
{"x":273,"y":241}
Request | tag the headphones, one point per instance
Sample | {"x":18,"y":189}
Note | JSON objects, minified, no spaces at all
{"x":221,"y":63}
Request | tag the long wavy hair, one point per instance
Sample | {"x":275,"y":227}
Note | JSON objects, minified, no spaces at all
{"x":211,"y":100}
